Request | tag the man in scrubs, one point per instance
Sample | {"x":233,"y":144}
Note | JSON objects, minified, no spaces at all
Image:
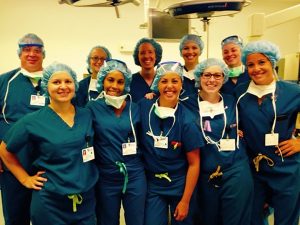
{"x":20,"y":93}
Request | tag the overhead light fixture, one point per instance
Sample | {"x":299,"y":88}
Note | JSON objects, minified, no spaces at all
{"x":206,"y":8}
{"x":100,"y":3}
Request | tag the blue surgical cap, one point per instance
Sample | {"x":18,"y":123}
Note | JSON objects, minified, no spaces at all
{"x":157,"y":47}
{"x":270,"y":50}
{"x":191,"y":37}
{"x":30,"y":40}
{"x":206,"y":64}
{"x":107,"y":52}
{"x":53,"y":68}
{"x":112,"y":65}
{"x":234,"y":39}
{"x":164,"y":68}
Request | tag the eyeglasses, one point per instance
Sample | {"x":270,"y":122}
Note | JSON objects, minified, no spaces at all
{"x":233,"y":38}
{"x":216,"y":76}
{"x":96,"y":59}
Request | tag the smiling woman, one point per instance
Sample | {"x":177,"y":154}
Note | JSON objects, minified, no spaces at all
{"x":59,"y":135}
{"x":170,"y":142}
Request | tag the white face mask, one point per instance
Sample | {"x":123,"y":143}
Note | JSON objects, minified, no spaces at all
{"x":164,"y":112}
{"x":35,"y":75}
{"x":189,"y":74}
{"x":114,"y":101}
{"x":92,"y":86}
{"x":261,"y":90}
{"x":211,"y":109}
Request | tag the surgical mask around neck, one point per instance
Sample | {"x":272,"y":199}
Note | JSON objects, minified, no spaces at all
{"x":261,"y":90}
{"x":34,"y":75}
{"x":189,"y":74}
{"x":236,"y":71}
{"x":164,"y":112}
{"x":93,"y":84}
{"x":114,"y":101}
{"x":208,"y":109}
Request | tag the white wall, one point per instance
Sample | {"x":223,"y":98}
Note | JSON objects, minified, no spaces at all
{"x":69,"y":32}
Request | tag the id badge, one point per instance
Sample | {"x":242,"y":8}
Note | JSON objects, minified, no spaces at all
{"x":37,"y":100}
{"x":88,"y":154}
{"x":129,"y":148}
{"x":161,"y":142}
{"x":271,"y":139}
{"x":227,"y":144}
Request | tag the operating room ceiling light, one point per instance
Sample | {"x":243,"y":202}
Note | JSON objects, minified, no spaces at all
{"x":206,"y":8}
{"x":100,"y":3}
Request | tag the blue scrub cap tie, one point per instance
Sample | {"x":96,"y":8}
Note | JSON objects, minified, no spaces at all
{"x":164,"y":68}
{"x":235,"y":39}
{"x":202,"y":66}
{"x":191,"y":37}
{"x":270,"y":50}
{"x":30,"y":40}
{"x":111,"y":65}
{"x":53,"y":68}
{"x":156,"y":46}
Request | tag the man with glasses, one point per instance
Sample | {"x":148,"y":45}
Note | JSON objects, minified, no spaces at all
{"x":20,"y":93}
{"x":87,"y":87}
{"x":232,"y":47}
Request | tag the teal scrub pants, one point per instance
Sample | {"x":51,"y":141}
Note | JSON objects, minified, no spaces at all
{"x":52,"y":209}
{"x":15,"y":200}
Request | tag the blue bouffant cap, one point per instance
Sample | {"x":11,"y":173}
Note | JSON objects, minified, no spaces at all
{"x":191,"y":37}
{"x":206,"y":64}
{"x":164,"y":68}
{"x":270,"y":50}
{"x":157,"y":47}
{"x":112,"y":65}
{"x":53,"y":68}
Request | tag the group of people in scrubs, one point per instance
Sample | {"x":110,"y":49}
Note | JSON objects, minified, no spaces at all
{"x":206,"y":143}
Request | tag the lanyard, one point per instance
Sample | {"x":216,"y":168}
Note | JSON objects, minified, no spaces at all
{"x":207,"y":138}
{"x":150,"y":133}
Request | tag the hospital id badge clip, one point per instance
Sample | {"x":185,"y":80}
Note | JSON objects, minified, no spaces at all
{"x":88,"y":154}
{"x":161,"y":142}
{"x":271,"y":139}
{"x":129,"y":148}
{"x":37,"y":100}
{"x":227,"y":144}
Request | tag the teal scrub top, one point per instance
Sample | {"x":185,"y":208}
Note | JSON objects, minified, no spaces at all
{"x":57,"y":148}
{"x":256,"y":121}
{"x":111,"y":131}
{"x":184,"y":137}
{"x":211,"y":157}
{"x":16,"y":105}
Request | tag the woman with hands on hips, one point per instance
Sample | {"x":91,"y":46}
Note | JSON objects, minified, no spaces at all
{"x":58,"y":134}
{"x":267,"y":109}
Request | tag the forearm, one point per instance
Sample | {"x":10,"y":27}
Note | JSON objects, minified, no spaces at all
{"x":190,"y":183}
{"x":13,"y":164}
{"x":192,"y":175}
